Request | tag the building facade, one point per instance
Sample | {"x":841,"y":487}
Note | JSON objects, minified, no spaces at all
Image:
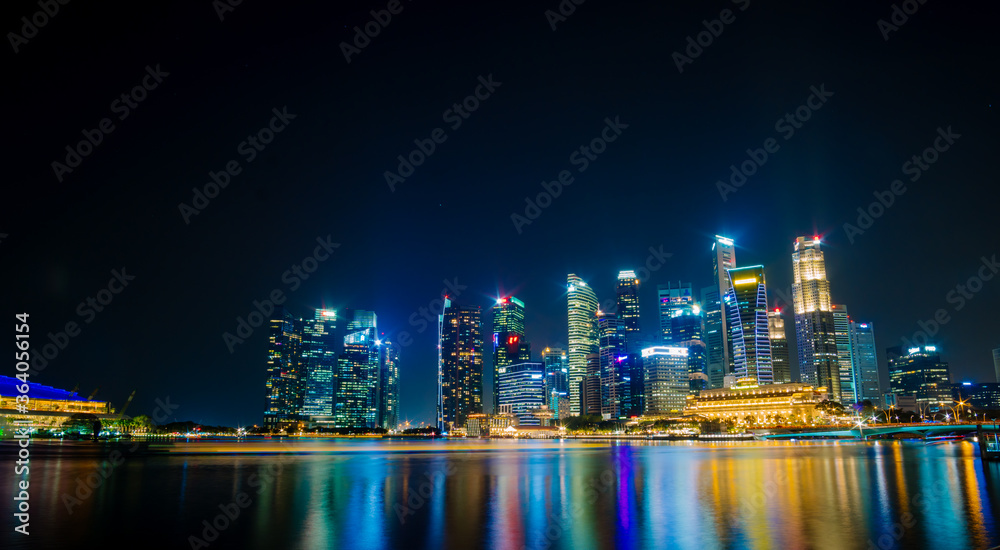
{"x":866,"y":370}
{"x":627,"y":301}
{"x":556,"y":365}
{"x":285,"y":376}
{"x":724,"y":259}
{"x":746,"y":304}
{"x":672,"y":297}
{"x":815,"y":334}
{"x":522,"y":389}
{"x":714,"y":339}
{"x":582,"y":308}
{"x":667,"y":383}
{"x":770,"y":404}
{"x":460,"y":370}
{"x":356,"y":405}
{"x":508,"y":339}
{"x":919,"y":372}
{"x":320,"y":350}
{"x":388,"y":389}
{"x":845,"y":354}
{"x":779,"y":347}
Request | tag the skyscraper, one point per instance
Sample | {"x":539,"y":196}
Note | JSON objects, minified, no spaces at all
{"x":714,"y":340}
{"x":356,"y":405}
{"x":590,"y":386}
{"x":388,"y":389}
{"x":920,"y":372}
{"x":582,"y":310}
{"x":460,"y":370}
{"x":556,"y":365}
{"x":667,"y":383}
{"x":284,"y":384}
{"x":865,"y":361}
{"x":508,"y":339}
{"x":522,"y":388}
{"x":845,"y":354}
{"x":779,"y":347}
{"x":612,"y":333}
{"x":746,"y":304}
{"x":724,"y":259}
{"x":687,"y":327}
{"x":815,"y":334}
{"x":672,"y":298}
{"x":319,"y":356}
{"x":627,"y":296}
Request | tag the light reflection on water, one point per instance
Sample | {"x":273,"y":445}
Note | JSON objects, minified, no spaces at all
{"x":505,"y":494}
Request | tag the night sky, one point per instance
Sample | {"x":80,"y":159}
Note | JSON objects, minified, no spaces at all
{"x":323,"y":174}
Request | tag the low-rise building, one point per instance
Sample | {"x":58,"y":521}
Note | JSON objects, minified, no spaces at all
{"x":486,"y":425}
{"x":793,"y":403}
{"x":47,"y":407}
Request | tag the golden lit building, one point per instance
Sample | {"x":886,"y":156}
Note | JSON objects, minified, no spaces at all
{"x":485,"y":425}
{"x":793,"y":403}
{"x":47,"y":407}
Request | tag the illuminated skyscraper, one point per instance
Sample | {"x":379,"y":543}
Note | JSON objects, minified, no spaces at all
{"x":508,"y":339}
{"x":590,"y":386}
{"x":845,"y":354}
{"x":672,"y":298}
{"x":667,"y":383}
{"x":920,"y":372}
{"x":611,"y":333}
{"x":319,"y":355}
{"x":582,"y":311}
{"x":388,"y":388}
{"x":284,"y":385}
{"x":713,"y":337}
{"x":815,"y":334}
{"x":522,"y":388}
{"x":865,"y":361}
{"x":687,"y":329}
{"x":461,"y":364}
{"x":746,"y":304}
{"x":556,"y":365}
{"x":779,"y":347}
{"x":724,"y":259}
{"x":628,"y":301}
{"x":356,"y":404}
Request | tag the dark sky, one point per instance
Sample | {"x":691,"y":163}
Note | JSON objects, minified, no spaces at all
{"x":323,"y":174}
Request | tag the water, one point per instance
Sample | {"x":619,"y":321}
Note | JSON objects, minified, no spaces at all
{"x":507,"y":494}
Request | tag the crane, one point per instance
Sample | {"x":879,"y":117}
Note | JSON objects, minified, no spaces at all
{"x":93,"y":393}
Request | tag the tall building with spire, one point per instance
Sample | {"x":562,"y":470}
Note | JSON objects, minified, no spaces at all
{"x":582,"y":308}
{"x":460,"y":368}
{"x":746,"y":304}
{"x":779,"y":347}
{"x":724,"y":259}
{"x":508,"y":339}
{"x":815,"y":334}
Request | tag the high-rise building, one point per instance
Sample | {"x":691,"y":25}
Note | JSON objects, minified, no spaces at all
{"x":815,"y":334}
{"x":714,"y":340}
{"x":508,"y":339}
{"x":582,"y":311}
{"x":285,"y":388}
{"x":687,"y":329}
{"x":388,"y":388}
{"x":460,"y":371}
{"x":746,"y":305}
{"x":612,"y":333}
{"x":724,"y":259}
{"x":920,"y":373}
{"x":845,"y":354}
{"x":522,"y":388}
{"x":977,"y":397}
{"x":320,"y":349}
{"x":627,"y":296}
{"x":672,"y":298}
{"x":779,"y":347}
{"x":590,"y":386}
{"x":667,"y":385}
{"x":556,"y":365}
{"x":865,"y":362}
{"x":356,"y":405}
